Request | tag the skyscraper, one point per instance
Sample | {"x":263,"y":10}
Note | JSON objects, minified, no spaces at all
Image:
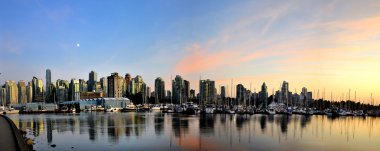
{"x":285,"y":92}
{"x":178,"y":90}
{"x":61,"y":94}
{"x":3,"y":94}
{"x":29,"y":92}
{"x":223,"y":92}
{"x":104,"y":86}
{"x":207,"y":91}
{"x":74,"y":90}
{"x":263,"y":95}
{"x":186,"y":90}
{"x":92,"y":79}
{"x":115,"y":85}
{"x":241,"y":92}
{"x":82,"y":85}
{"x":48,"y":85}
{"x":12,"y":92}
{"x":22,"y":99}
{"x":159,"y":88}
{"x":127,"y":84}
{"x":38,"y":90}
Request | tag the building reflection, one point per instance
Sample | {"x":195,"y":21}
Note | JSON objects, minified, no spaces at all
{"x":206,"y":132}
{"x":206,"y":123}
{"x":159,"y":121}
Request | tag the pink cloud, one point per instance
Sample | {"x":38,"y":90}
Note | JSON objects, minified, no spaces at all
{"x":199,"y":60}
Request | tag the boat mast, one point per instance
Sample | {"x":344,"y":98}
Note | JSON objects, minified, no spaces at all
{"x":171,"y":94}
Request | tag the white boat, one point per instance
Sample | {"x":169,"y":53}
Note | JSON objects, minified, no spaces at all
{"x":130,"y":107}
{"x":210,"y":109}
{"x":271,"y":108}
{"x":114,"y":109}
{"x":73,"y":110}
{"x":271,"y":111}
{"x":156,"y":108}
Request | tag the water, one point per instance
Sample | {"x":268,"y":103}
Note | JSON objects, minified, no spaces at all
{"x":157,"y":131}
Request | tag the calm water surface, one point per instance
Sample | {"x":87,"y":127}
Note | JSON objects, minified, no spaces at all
{"x":158,"y":131}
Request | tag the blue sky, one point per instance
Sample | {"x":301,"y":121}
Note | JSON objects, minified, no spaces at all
{"x":249,"y":41}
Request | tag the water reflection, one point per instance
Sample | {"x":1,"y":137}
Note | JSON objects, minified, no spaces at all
{"x":101,"y":131}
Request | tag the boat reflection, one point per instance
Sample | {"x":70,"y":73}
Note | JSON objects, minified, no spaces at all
{"x":198,"y":132}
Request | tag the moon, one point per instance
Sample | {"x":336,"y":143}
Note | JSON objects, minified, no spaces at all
{"x":77,"y":44}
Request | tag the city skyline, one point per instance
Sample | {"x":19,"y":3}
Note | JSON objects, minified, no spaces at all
{"x":331,"y":45}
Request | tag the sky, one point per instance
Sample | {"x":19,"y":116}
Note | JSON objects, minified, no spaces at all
{"x":327,"y":46}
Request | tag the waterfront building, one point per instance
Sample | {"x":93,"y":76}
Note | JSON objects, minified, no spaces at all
{"x":168,"y":94}
{"x":306,"y":97}
{"x":106,"y":102}
{"x":178,"y":90}
{"x":128,"y":79}
{"x":92,"y":79}
{"x":139,"y":84}
{"x":263,"y":95}
{"x":91,"y":95}
{"x":22,"y":99}
{"x":74,"y":90}
{"x":207,"y":91}
{"x":192,"y":94}
{"x":103,"y":85}
{"x":38,"y":90}
{"x":61,"y":94}
{"x":223,"y":92}
{"x":241,"y":94}
{"x":159,"y":89}
{"x":3,"y":94}
{"x":186,"y":90}
{"x":285,"y":92}
{"x":29,"y":92}
{"x":83,"y":85}
{"x":148,"y":91}
{"x":11,"y":92}
{"x":115,"y":85}
{"x":48,"y":88}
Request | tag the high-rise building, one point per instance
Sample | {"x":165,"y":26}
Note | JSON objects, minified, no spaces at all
{"x":38,"y":90}
{"x":128,"y":85}
{"x":61,"y":94}
{"x":74,"y":90}
{"x":285,"y":92}
{"x":192,"y":94}
{"x":12,"y":92}
{"x":178,"y":89}
{"x":168,"y":94}
{"x":22,"y":99}
{"x":115,"y":85}
{"x":223,"y":92}
{"x":186,"y":90}
{"x":138,"y":81}
{"x":48,"y":88}
{"x":83,"y":85}
{"x":241,"y":94}
{"x":159,"y":88}
{"x":104,"y":84}
{"x":306,"y":97}
{"x":29,"y":92}
{"x":207,"y":91}
{"x":3,"y":95}
{"x":92,"y":79}
{"x":263,"y":95}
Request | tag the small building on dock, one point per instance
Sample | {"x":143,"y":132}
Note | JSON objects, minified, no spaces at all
{"x":104,"y":102}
